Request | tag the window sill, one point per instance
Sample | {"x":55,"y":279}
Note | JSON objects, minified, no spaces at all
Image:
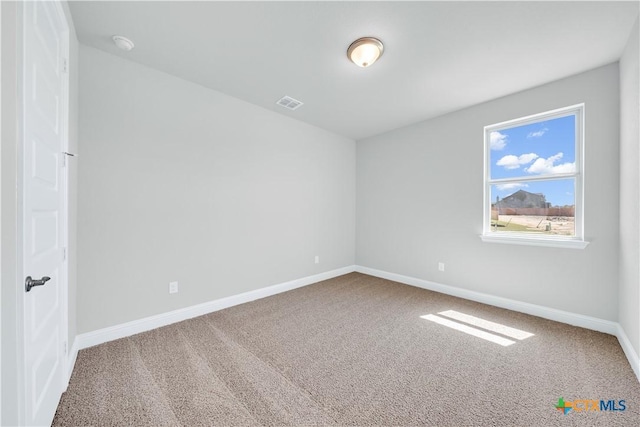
{"x":535,"y":241}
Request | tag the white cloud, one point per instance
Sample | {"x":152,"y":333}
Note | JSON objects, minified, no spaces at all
{"x":509,"y":162}
{"x":527,"y":158}
{"x":511,"y":186}
{"x":537,"y":134}
{"x":547,"y":166}
{"x":497,"y":141}
{"x":513,"y":162}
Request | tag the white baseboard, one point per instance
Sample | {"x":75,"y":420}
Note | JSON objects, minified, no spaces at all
{"x":574,"y":319}
{"x":71,"y":360}
{"x":588,"y":322}
{"x":631,"y":354}
{"x":100,"y":336}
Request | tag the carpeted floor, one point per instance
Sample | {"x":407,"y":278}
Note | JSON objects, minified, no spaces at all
{"x":353,"y":350}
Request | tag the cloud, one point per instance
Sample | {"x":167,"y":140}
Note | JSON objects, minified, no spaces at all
{"x":497,"y":141}
{"x":513,"y":162}
{"x":527,"y":158}
{"x":537,"y":134}
{"x":547,"y":166}
{"x":511,"y":186}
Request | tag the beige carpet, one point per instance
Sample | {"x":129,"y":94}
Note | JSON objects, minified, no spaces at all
{"x":352,"y":350}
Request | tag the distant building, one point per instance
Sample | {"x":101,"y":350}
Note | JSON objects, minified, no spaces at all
{"x":523,"y":199}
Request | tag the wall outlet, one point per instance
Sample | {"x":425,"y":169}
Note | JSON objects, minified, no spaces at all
{"x":441,"y":266}
{"x":173,"y":287}
{"x":317,"y":259}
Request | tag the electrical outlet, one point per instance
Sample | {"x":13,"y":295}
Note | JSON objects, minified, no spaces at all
{"x":317,"y":259}
{"x":173,"y":287}
{"x":441,"y":266}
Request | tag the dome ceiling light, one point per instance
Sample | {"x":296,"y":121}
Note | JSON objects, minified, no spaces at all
{"x":365,"y":51}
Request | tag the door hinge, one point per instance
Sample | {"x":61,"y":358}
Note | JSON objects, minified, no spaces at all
{"x":64,"y":347}
{"x":65,"y":65}
{"x":64,"y":254}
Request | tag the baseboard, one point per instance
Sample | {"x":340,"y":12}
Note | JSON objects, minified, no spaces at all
{"x":629,"y":351}
{"x":574,"y":319}
{"x":71,"y":360}
{"x":588,"y":322}
{"x":100,"y":336}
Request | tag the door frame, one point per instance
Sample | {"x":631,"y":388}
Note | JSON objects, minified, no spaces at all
{"x":0,"y":212}
{"x":63,"y":280}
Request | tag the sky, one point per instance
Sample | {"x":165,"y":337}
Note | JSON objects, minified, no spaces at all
{"x":538,"y":149}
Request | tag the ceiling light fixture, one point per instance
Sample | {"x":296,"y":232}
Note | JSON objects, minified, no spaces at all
{"x":365,"y":51}
{"x":123,"y":43}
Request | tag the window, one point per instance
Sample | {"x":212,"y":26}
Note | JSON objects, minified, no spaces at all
{"x":534,"y":178}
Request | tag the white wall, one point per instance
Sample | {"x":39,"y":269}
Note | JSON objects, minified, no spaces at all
{"x":629,"y":296}
{"x":181,"y":183}
{"x":11,"y":286}
{"x":419,"y":201}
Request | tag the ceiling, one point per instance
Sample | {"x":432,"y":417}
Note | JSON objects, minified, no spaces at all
{"x":439,"y":56}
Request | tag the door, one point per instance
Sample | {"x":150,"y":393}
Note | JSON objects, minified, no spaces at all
{"x":45,"y":100}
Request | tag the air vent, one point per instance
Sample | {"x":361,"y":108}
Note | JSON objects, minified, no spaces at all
{"x":289,"y":103}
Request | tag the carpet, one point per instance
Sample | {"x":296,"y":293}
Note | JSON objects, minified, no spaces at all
{"x":353,"y":350}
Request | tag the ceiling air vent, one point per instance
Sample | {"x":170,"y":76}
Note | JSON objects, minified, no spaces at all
{"x":289,"y":103}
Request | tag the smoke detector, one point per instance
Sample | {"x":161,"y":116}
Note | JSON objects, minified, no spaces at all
{"x":123,"y":43}
{"x":289,"y":103}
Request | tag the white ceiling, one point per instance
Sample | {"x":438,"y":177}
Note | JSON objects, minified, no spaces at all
{"x":439,"y":56}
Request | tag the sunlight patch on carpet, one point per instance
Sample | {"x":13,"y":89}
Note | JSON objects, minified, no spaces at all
{"x":485,"y":324}
{"x":469,"y":330}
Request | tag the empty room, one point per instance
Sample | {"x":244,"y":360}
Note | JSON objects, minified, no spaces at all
{"x":320,"y":213}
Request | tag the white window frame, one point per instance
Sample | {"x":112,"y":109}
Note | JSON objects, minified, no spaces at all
{"x":577,"y":241}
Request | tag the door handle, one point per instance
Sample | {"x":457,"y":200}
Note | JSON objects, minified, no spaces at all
{"x":30,"y":283}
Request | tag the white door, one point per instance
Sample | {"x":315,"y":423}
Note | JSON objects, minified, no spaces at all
{"x":44,"y":86}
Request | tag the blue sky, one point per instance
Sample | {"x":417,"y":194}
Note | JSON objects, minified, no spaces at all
{"x":538,"y":149}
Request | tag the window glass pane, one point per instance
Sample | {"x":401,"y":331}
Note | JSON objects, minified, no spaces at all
{"x":541,"y":207}
{"x":543,"y":148}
